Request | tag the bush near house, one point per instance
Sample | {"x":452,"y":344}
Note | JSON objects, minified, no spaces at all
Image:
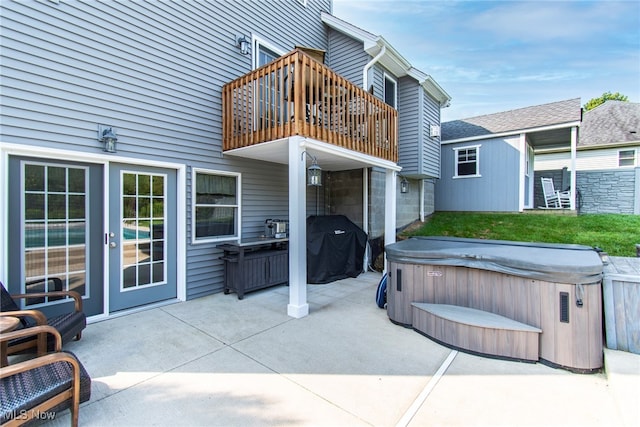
{"x":615,"y":234}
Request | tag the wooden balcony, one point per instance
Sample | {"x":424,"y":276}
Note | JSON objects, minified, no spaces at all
{"x":296,"y":95}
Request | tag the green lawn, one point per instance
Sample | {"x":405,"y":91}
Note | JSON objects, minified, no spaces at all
{"x":615,"y":234}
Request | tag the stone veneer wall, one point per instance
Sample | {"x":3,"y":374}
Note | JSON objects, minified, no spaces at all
{"x":603,"y":191}
{"x":609,"y":191}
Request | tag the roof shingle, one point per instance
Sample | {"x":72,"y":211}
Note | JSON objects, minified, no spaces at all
{"x":554,"y":113}
{"x":610,"y":123}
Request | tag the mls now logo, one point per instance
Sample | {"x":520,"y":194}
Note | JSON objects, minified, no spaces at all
{"x":33,"y":415}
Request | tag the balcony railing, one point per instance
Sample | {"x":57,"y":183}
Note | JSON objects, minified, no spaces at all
{"x":296,"y":95}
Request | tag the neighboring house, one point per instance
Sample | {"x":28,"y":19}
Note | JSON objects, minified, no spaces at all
{"x":136,"y":137}
{"x":607,"y":161}
{"x":488,"y":161}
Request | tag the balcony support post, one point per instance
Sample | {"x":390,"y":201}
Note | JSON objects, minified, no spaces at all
{"x":298,"y":306}
{"x":389,"y":210}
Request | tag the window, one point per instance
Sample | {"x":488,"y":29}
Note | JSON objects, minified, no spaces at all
{"x":264,"y":52}
{"x":626,"y":158}
{"x":216,"y":205}
{"x":467,"y":161}
{"x":390,"y":86}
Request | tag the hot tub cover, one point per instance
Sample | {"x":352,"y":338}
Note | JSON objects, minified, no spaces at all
{"x":558,"y":263}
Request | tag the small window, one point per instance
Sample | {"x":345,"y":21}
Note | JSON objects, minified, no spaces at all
{"x":390,"y":86}
{"x":626,"y":158}
{"x":467,"y":161}
{"x":216,"y":206}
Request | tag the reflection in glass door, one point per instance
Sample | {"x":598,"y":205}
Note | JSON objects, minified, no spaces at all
{"x":143,"y":230}
{"x":55,"y":229}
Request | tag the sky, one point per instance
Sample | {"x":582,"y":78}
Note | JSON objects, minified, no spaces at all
{"x":493,"y":56}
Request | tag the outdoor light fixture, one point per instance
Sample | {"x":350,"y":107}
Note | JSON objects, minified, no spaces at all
{"x":107,"y":135}
{"x":314,"y":172}
{"x":243,"y":43}
{"x":404,"y":185}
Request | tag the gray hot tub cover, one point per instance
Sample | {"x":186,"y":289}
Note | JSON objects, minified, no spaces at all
{"x":558,"y":263}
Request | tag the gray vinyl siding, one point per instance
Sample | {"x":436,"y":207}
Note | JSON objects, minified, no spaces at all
{"x":409,"y":129}
{"x":418,"y":152}
{"x":430,"y":145}
{"x":346,"y":56}
{"x":154,"y":71}
{"x":495,"y":190}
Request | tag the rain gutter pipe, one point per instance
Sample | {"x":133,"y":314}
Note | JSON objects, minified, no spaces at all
{"x":365,"y":70}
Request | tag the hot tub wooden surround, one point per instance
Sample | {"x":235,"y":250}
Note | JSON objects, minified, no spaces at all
{"x":499,"y":313}
{"x":477,"y":331}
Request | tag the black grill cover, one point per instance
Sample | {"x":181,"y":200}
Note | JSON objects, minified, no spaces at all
{"x":335,"y":248}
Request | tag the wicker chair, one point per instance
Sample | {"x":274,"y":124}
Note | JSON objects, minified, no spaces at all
{"x":41,"y":387}
{"x":69,"y":325}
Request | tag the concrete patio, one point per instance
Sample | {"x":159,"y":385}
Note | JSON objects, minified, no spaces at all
{"x":220,"y":361}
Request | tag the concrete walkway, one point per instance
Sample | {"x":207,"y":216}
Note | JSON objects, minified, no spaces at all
{"x":219,"y":361}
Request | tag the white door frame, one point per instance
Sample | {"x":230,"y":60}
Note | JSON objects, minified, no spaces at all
{"x":7,"y":149}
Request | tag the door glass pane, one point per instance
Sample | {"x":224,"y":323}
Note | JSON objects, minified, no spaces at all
{"x":143,"y":232}
{"x":55,"y":229}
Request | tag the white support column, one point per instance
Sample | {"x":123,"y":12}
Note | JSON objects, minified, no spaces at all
{"x":422,"y":215}
{"x":298,"y":306}
{"x":522,"y":147}
{"x":574,"y":144}
{"x":365,"y":214}
{"x":389,"y":210}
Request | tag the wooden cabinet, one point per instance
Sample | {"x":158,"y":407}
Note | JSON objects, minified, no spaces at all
{"x":255,"y":264}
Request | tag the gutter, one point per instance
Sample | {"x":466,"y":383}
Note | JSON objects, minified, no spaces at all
{"x":365,"y":70}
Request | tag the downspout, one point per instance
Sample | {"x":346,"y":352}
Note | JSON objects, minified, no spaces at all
{"x":365,"y":70}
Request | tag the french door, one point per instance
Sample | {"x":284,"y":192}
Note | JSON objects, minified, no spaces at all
{"x":57,"y":215}
{"x":141,"y":238}
{"x":55,"y":232}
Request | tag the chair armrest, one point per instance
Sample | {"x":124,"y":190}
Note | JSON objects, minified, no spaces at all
{"x":33,"y":331}
{"x":73,"y":294}
{"x":38,"y":316}
{"x":47,"y":359}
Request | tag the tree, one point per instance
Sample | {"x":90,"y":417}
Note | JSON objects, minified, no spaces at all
{"x":607,"y":96}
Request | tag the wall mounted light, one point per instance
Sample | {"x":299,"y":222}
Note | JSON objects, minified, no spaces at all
{"x":404,"y":185}
{"x":107,"y":135}
{"x":243,"y":43}
{"x":314,"y":172}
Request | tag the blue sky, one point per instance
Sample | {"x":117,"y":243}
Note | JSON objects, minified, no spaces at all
{"x":493,"y":56}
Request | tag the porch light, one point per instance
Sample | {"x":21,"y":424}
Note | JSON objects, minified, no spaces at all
{"x":243,"y":43}
{"x":314,"y":172}
{"x":404,"y":185}
{"x":107,"y":135}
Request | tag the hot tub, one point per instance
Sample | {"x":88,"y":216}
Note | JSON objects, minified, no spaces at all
{"x":514,"y":300}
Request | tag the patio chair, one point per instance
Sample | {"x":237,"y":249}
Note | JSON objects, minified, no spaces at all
{"x":69,"y":324}
{"x":554,"y":199}
{"x":41,"y":387}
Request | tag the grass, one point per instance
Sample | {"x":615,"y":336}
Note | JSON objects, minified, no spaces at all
{"x":615,"y":234}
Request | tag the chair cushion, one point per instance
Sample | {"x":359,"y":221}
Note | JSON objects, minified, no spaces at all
{"x":68,"y":325}
{"x":25,"y":390}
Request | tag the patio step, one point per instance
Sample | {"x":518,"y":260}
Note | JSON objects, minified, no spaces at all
{"x":477,"y":331}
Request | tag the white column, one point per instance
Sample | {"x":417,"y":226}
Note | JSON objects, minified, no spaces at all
{"x":365,"y":214}
{"x":522,"y":147}
{"x":389,"y":210}
{"x":574,"y":144}
{"x":298,"y":306}
{"x":422,"y":199}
